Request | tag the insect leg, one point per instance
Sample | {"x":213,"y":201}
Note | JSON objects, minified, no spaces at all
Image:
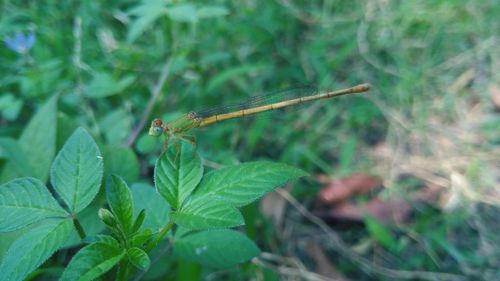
{"x":177,"y":150}
{"x":165,"y":143}
{"x":186,"y":137}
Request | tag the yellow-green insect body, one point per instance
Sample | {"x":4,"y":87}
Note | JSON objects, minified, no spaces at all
{"x":281,"y":99}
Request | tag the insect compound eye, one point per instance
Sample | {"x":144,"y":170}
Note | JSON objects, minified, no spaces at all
{"x":157,"y":122}
{"x":158,"y":130}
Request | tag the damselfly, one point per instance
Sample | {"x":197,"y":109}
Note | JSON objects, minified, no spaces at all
{"x":179,"y":127}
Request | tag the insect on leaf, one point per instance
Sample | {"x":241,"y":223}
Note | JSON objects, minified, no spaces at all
{"x":177,"y":173}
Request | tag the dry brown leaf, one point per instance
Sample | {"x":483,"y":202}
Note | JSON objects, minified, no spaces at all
{"x":394,"y":210}
{"x":340,"y":190}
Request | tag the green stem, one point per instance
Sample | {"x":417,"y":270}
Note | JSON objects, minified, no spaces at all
{"x":79,"y":228}
{"x":160,"y":236}
{"x":123,"y":236}
{"x":123,"y":270}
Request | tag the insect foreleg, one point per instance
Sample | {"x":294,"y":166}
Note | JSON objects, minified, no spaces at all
{"x":189,"y":138}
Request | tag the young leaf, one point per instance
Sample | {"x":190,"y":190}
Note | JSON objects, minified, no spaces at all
{"x":242,"y":184}
{"x":138,"y":258}
{"x":216,"y":248}
{"x":139,"y":220}
{"x":77,"y":171}
{"x":107,"y":217}
{"x":24,"y":201}
{"x":120,"y":201}
{"x":33,"y":248}
{"x":200,"y":213}
{"x":93,"y":260}
{"x":177,"y":173}
{"x":157,"y":210}
{"x":38,"y":141}
{"x":141,"y":237}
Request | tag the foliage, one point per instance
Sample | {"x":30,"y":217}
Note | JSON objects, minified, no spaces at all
{"x":107,"y":66}
{"x":76,"y":175}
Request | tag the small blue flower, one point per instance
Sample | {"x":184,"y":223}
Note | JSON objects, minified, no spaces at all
{"x":20,"y":43}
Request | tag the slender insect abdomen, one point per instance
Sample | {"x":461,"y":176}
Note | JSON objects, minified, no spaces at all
{"x":281,"y":104}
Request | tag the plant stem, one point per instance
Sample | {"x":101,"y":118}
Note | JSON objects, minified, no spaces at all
{"x":79,"y":228}
{"x":160,"y":236}
{"x":123,"y":270}
{"x":154,"y":95}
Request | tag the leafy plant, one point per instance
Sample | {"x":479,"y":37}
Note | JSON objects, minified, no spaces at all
{"x":196,"y":208}
{"x":76,"y":175}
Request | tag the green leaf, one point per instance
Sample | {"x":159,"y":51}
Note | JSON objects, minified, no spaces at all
{"x":116,"y":126}
{"x":146,"y":144}
{"x":138,"y":258}
{"x":38,"y":141}
{"x":183,"y":12}
{"x":206,"y":213}
{"x":380,"y":233}
{"x":104,"y":85}
{"x":231,"y":74}
{"x":187,"y":270}
{"x":89,"y":220}
{"x":107,"y":217}
{"x":106,"y":239}
{"x":177,"y":173}
{"x":93,"y":261}
{"x":18,"y":162}
{"x":212,"y":11}
{"x":120,"y":201}
{"x":179,"y":62}
{"x":66,"y":125}
{"x":33,"y":248}
{"x":76,"y":173}
{"x":10,"y":106}
{"x":141,"y":237}
{"x":216,"y":248}
{"x":157,"y":210}
{"x":121,"y":161}
{"x":242,"y":184}
{"x":147,"y":12}
{"x":25,"y":201}
{"x":8,"y":238}
{"x":139,"y":220}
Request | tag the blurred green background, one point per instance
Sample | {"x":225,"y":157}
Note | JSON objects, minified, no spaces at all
{"x":431,"y":120}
